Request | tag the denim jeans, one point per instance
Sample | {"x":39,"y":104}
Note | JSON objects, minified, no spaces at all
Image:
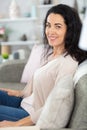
{"x":10,"y":108}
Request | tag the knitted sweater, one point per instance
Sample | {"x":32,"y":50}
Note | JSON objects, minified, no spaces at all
{"x":44,"y":79}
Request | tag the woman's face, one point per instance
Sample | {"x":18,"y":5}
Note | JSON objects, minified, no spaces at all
{"x":56,"y":30}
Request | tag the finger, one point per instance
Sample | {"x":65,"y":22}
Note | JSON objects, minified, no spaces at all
{"x":3,"y":89}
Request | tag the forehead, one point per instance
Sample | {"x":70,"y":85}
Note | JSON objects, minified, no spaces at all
{"x":56,"y":18}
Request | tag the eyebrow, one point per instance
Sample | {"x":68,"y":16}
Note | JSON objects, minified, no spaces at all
{"x":58,"y":24}
{"x":55,"y":23}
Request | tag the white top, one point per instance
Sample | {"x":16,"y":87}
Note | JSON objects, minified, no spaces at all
{"x":44,"y":79}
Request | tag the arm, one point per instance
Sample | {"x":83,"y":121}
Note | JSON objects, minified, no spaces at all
{"x":25,"y":122}
{"x":19,"y":93}
{"x":22,"y":122}
{"x":28,"y":89}
{"x":11,"y":92}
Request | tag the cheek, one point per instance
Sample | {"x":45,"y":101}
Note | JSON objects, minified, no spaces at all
{"x":46,"y":32}
{"x":62,"y":34}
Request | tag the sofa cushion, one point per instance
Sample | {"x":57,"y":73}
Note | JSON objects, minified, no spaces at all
{"x":79,"y":115}
{"x":33,"y":63}
{"x":12,"y":85}
{"x":59,"y":104}
{"x":11,"y":70}
{"x":81,"y":70}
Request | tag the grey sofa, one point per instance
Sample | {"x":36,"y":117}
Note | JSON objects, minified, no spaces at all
{"x":78,"y":120}
{"x":79,"y":114}
{"x":10,"y":74}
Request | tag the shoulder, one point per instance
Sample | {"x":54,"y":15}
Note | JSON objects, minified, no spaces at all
{"x":67,"y":59}
{"x":68,"y":65}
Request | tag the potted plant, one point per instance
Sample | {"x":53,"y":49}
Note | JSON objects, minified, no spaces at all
{"x":5,"y":49}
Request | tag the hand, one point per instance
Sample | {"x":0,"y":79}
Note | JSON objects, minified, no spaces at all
{"x":7,"y":124}
{"x":11,"y":92}
{"x":22,"y":122}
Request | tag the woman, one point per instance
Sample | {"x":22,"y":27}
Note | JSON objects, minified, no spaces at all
{"x":62,"y":28}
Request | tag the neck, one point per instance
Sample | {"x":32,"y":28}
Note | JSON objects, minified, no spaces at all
{"x":55,"y":54}
{"x":58,"y":51}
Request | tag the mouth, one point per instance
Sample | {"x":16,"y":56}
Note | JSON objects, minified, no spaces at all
{"x":52,"y":38}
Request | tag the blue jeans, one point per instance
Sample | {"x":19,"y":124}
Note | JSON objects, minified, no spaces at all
{"x":10,"y":107}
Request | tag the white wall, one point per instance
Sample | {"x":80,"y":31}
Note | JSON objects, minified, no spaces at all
{"x":80,"y":3}
{"x":25,"y":6}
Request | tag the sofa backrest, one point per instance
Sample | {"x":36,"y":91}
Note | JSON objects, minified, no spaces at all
{"x":79,"y":114}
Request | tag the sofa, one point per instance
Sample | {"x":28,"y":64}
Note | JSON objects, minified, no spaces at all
{"x":10,"y":74}
{"x":79,"y":114}
{"x":11,"y":70}
{"x":78,"y":118}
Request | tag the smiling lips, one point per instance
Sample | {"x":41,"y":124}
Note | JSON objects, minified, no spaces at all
{"x":52,"y":38}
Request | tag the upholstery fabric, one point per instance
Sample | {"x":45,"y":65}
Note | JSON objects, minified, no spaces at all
{"x":12,"y":85}
{"x":59,"y":104}
{"x":33,"y":63}
{"x":79,"y":115}
{"x":82,"y":70}
{"x":11,"y":70}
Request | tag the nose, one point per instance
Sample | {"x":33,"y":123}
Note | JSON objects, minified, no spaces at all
{"x":52,"y":30}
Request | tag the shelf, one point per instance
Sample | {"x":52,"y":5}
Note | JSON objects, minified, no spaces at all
{"x":18,"y":19}
{"x":45,"y":6}
{"x":12,"y":43}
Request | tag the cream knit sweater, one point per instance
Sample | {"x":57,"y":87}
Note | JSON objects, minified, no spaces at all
{"x":44,"y":79}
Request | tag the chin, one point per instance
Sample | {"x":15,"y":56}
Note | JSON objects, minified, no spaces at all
{"x":52,"y":44}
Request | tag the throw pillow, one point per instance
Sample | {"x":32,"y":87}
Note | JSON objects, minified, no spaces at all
{"x":59,"y":105}
{"x":33,"y":63}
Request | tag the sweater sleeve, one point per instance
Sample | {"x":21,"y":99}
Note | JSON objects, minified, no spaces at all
{"x":28,"y":89}
{"x":66,"y":68}
{"x":35,"y":116}
{"x":43,"y":82}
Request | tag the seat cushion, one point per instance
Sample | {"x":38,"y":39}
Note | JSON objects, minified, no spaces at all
{"x":79,"y":115}
{"x":12,"y":85}
{"x":59,"y":104}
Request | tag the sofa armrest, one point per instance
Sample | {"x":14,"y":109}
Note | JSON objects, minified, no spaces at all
{"x":11,"y":70}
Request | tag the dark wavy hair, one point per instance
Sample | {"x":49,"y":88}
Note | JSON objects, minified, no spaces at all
{"x":73,"y":22}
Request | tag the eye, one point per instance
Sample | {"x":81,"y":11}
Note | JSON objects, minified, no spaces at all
{"x":58,"y":26}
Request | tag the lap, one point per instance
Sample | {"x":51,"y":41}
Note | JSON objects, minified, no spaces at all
{"x":7,"y":100}
{"x":11,"y":113}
